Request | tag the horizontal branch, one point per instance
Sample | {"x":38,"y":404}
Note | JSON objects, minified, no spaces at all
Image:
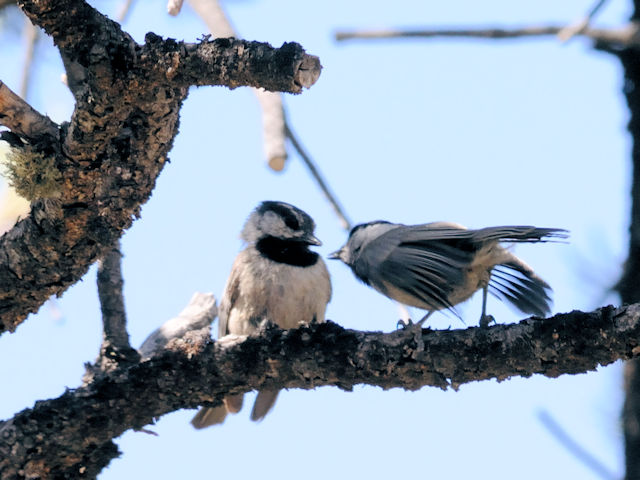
{"x":75,"y":430}
{"x":622,"y":37}
{"x":231,"y":62}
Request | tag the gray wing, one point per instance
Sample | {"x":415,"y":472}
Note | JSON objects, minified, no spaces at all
{"x":447,"y":231}
{"x":511,"y":281}
{"x":425,"y":267}
{"x":230,"y":295}
{"x":429,"y":261}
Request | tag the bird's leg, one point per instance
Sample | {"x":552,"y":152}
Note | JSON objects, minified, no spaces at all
{"x":485,"y":319}
{"x":424,"y":319}
{"x":402,"y":324}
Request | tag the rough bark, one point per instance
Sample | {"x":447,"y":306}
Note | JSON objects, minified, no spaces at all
{"x":115,"y":347}
{"x":21,"y":118}
{"x":629,"y":284}
{"x":128,"y":99}
{"x":72,"y":435}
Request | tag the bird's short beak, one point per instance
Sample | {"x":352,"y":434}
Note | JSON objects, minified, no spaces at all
{"x":337,"y":255}
{"x":312,"y":240}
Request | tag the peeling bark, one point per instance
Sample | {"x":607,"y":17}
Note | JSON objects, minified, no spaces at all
{"x":74,"y":432}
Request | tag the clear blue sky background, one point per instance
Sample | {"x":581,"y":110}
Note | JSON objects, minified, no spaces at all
{"x":478,"y":132}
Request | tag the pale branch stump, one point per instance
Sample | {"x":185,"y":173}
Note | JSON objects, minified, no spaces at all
{"x":196,"y":316}
{"x":128,"y":100}
{"x":73,"y":434}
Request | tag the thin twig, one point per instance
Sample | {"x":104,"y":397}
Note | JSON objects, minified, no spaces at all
{"x":573,"y":447}
{"x":581,"y":24}
{"x":115,"y":340}
{"x":344,"y":221}
{"x":596,"y":7}
{"x":31,"y":38}
{"x":110,"y":285}
{"x":625,"y":36}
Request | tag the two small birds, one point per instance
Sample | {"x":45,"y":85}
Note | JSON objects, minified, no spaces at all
{"x":433,"y":266}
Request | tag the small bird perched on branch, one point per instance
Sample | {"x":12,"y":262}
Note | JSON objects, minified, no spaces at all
{"x":276,"y":278}
{"x":437,"y":265}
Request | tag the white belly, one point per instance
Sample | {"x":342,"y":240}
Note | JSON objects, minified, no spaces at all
{"x":286,"y":295}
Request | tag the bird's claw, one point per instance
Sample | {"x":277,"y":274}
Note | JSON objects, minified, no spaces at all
{"x":486,"y":320}
{"x":403,"y":324}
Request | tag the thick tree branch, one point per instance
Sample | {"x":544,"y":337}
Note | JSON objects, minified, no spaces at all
{"x":231,"y":62}
{"x":74,"y":432}
{"x":128,"y":99}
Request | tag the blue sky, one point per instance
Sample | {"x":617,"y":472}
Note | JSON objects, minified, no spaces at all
{"x":478,"y":132}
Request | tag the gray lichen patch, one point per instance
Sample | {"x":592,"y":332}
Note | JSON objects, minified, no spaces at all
{"x":33,"y":175}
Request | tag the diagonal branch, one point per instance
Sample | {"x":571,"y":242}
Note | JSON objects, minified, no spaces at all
{"x":574,"y":448}
{"x":22,"y":118}
{"x":76,"y":429}
{"x":580,"y":25}
{"x":317,"y":176}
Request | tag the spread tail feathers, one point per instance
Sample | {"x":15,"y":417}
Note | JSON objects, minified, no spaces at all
{"x":264,"y":402}
{"x":516,"y":283}
{"x":208,"y":416}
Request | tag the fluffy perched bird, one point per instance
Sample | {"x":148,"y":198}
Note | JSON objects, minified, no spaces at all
{"x":276,"y":278}
{"x":437,"y":265}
